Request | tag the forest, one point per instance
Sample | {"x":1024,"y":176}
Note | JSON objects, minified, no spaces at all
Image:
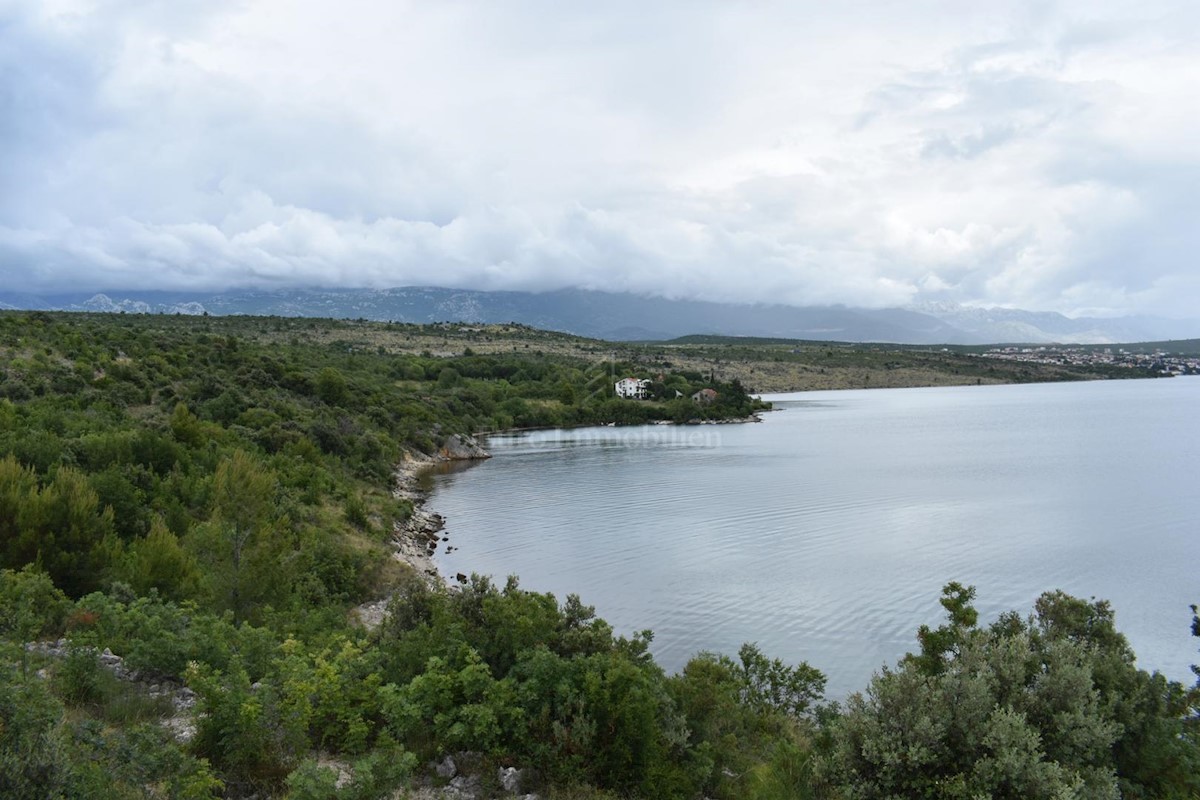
{"x":191,"y":508}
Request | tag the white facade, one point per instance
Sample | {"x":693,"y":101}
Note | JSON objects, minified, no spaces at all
{"x":632,"y":388}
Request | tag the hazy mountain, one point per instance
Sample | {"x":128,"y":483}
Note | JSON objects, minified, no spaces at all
{"x":587,"y":313}
{"x":103,"y":304}
{"x":626,"y":316}
{"x":1016,"y":325}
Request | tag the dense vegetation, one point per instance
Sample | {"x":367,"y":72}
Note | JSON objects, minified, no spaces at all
{"x":183,"y":456}
{"x":208,"y":499}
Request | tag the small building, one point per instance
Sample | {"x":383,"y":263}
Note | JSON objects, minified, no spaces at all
{"x":705,"y":397}
{"x":632,"y":388}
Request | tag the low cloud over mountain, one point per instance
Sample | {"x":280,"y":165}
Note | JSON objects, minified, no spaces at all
{"x":1031,"y":154}
{"x":626,"y":316}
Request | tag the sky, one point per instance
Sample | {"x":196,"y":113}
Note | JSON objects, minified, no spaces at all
{"x":1039,"y":155}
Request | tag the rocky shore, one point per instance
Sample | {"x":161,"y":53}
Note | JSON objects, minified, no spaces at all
{"x":731,"y":421}
{"x":416,"y":539}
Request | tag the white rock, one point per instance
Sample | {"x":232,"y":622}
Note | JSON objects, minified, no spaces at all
{"x":510,"y":779}
{"x":447,"y":769}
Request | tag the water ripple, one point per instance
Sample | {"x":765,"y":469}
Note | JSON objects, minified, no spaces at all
{"x":827,"y":532}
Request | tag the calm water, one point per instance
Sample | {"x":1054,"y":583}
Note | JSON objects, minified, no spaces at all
{"x":826,"y":532}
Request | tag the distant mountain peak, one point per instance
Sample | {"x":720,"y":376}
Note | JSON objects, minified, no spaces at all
{"x":105,"y":304}
{"x":99,"y":302}
{"x":622,"y":316}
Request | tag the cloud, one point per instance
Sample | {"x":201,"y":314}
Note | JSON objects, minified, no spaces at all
{"x":1038,"y":155}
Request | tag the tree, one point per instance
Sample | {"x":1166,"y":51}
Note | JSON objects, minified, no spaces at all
{"x":240,"y":729}
{"x":17,"y":485}
{"x":60,"y":526}
{"x":566,"y":394}
{"x":939,"y":645}
{"x":331,"y":387}
{"x":30,"y":606}
{"x":158,"y":561}
{"x":743,"y":722}
{"x":457,"y":701}
{"x":768,"y":683}
{"x":243,"y":495}
{"x":1045,"y":707}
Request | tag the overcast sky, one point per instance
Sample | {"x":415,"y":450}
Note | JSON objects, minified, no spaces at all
{"x":1042,"y":155}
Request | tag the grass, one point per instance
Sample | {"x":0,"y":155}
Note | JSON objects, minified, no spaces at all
{"x":89,"y":687}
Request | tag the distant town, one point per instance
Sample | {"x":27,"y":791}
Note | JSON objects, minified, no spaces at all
{"x":1158,"y":361}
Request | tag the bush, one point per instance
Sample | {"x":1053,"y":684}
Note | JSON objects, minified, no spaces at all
{"x":160,"y":638}
{"x":355,"y":512}
{"x":375,"y":776}
{"x":31,"y":763}
{"x":453,"y":705}
{"x":1046,"y":707}
{"x":239,"y":729}
{"x":80,"y":679}
{"x":31,"y":606}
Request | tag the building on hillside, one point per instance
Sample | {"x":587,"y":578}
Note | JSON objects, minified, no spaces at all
{"x":705,"y":397}
{"x":632,"y":388}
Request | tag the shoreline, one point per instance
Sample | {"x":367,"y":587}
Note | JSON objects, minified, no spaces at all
{"x":465,"y":487}
{"x":415,"y":540}
{"x":965,"y":385}
{"x":484,"y":435}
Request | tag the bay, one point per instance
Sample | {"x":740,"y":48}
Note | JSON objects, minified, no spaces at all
{"x":826,"y":532}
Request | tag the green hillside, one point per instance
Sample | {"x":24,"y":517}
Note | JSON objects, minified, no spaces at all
{"x":192,"y":508}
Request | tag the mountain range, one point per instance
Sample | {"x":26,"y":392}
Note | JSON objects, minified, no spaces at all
{"x":617,"y":316}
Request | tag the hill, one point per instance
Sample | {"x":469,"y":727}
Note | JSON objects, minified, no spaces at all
{"x":195,"y":512}
{"x":625,"y":317}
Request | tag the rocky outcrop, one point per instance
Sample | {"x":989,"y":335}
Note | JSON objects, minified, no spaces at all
{"x":462,"y":448}
{"x":511,"y":779}
{"x":183,"y":699}
{"x":731,"y":421}
{"x":416,"y":539}
{"x":463,"y":778}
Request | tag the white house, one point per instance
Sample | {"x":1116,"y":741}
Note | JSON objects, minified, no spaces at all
{"x":632,"y":388}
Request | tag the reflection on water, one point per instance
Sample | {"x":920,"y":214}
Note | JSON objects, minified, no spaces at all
{"x":826,"y":532}
{"x":427,"y":477}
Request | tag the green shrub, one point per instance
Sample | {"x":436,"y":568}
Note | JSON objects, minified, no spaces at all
{"x":31,"y":606}
{"x":80,"y":679}
{"x":356,"y":512}
{"x":1045,"y":707}
{"x":32,"y":766}
{"x":160,"y":637}
{"x":240,"y":730}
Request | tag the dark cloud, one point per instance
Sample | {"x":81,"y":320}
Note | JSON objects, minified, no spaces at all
{"x":1039,"y":155}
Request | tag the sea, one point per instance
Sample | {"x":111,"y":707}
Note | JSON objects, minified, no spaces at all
{"x":826,"y":532}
